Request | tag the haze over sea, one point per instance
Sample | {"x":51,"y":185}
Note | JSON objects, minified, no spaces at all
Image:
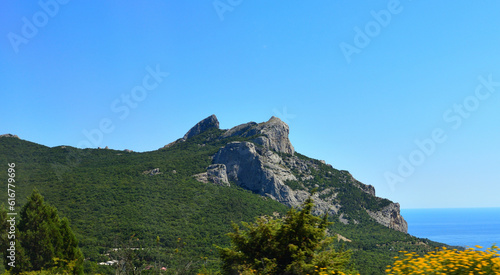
{"x":456,"y":226}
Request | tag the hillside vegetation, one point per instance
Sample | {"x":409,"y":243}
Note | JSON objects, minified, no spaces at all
{"x":121,"y":207}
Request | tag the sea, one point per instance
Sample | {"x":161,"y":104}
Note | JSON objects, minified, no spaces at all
{"x":466,"y":227}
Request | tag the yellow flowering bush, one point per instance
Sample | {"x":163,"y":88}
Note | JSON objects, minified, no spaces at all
{"x":449,"y":261}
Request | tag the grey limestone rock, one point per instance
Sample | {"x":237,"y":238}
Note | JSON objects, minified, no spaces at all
{"x":152,"y":172}
{"x":273,"y":134}
{"x":259,"y":172}
{"x":264,"y":172}
{"x":216,"y":173}
{"x":390,"y":216}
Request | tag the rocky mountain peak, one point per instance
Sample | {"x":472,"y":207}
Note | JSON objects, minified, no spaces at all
{"x":202,"y":126}
{"x":275,"y":120}
{"x":273,"y":134}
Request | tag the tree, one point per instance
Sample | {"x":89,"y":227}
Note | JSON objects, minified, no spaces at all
{"x":4,"y":225}
{"x":72,"y":255}
{"x":296,"y":244}
{"x":6,"y":237}
{"x":46,"y":241}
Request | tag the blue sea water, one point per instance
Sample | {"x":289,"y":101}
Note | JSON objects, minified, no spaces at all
{"x":456,"y":226}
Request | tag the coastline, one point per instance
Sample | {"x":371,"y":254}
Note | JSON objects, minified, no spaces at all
{"x":464,"y":227}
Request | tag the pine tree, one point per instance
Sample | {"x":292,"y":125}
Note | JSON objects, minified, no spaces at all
{"x":71,"y":254}
{"x":46,"y":240}
{"x":296,"y":244}
{"x":39,"y":232}
{"x":22,"y":261}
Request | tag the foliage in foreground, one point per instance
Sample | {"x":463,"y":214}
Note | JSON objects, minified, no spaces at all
{"x":446,"y":261}
{"x":296,"y":244}
{"x":43,"y":241}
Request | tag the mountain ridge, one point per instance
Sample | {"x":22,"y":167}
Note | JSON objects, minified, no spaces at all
{"x":266,"y":164}
{"x":194,"y":188}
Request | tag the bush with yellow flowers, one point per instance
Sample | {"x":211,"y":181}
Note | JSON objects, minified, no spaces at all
{"x":449,"y":261}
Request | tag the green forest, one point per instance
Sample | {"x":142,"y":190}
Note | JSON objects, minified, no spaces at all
{"x":169,"y":222}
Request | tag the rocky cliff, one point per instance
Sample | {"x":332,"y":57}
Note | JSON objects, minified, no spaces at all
{"x":390,"y":216}
{"x":202,"y":126}
{"x":264,"y":172}
{"x":216,"y":173}
{"x":272,"y":134}
{"x":267,"y":165}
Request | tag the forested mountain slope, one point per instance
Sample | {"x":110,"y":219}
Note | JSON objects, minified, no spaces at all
{"x":175,"y":203}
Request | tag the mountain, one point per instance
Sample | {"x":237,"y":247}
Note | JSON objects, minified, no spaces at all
{"x":178,"y":201}
{"x":267,"y":165}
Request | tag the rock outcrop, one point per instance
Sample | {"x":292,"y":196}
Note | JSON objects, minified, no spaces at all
{"x":272,"y":134}
{"x":9,"y":136}
{"x":152,"y":172}
{"x":262,"y":171}
{"x":259,"y":165}
{"x":202,"y":126}
{"x":259,"y":172}
{"x":216,"y":173}
{"x":390,"y":216}
{"x":243,"y":130}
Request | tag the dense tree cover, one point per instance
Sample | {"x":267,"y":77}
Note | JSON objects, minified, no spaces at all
{"x":108,"y":199}
{"x":296,"y":244}
{"x":351,"y":198}
{"x":43,"y":240}
{"x":374,"y":246}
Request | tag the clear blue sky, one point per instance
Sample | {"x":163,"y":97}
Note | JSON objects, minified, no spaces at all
{"x":357,"y":81}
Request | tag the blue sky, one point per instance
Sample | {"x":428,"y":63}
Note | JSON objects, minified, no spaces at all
{"x":358,"y":82}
